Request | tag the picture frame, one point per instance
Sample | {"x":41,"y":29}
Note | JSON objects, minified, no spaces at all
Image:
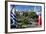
{"x":20,"y":5}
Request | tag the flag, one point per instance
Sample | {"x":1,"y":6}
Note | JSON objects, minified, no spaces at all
{"x":39,"y":20}
{"x":13,"y":18}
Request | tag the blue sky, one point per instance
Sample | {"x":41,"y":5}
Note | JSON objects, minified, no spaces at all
{"x":27,"y":7}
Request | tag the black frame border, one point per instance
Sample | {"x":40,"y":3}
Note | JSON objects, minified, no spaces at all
{"x":6,"y":16}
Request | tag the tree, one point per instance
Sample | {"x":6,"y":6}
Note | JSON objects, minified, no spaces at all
{"x":24,"y":22}
{"x":25,"y":14}
{"x":31,"y":14}
{"x":17,"y":14}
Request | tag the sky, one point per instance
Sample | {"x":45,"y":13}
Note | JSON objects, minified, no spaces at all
{"x":27,"y":7}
